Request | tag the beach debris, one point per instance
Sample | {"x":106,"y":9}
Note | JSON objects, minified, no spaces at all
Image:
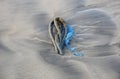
{"x":61,"y":34}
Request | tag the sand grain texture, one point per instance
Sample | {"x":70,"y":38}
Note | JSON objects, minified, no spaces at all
{"x":26,"y":51}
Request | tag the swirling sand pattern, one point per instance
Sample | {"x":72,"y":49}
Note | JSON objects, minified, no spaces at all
{"x":25,"y":47}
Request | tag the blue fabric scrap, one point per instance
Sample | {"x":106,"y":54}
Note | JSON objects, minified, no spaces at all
{"x":69,"y":36}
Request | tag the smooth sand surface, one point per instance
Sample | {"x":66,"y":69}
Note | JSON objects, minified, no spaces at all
{"x":25,"y":46}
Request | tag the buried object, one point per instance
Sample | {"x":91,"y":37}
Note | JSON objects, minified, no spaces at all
{"x":61,"y":35}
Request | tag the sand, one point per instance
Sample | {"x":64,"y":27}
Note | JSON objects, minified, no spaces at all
{"x":25,"y":46}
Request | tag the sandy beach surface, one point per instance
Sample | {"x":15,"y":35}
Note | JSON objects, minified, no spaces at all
{"x":25,"y":47}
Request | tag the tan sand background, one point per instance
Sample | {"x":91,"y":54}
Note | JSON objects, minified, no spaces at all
{"x":25,"y":50}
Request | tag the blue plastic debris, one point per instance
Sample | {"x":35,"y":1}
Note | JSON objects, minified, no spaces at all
{"x":69,"y":36}
{"x":78,"y":53}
